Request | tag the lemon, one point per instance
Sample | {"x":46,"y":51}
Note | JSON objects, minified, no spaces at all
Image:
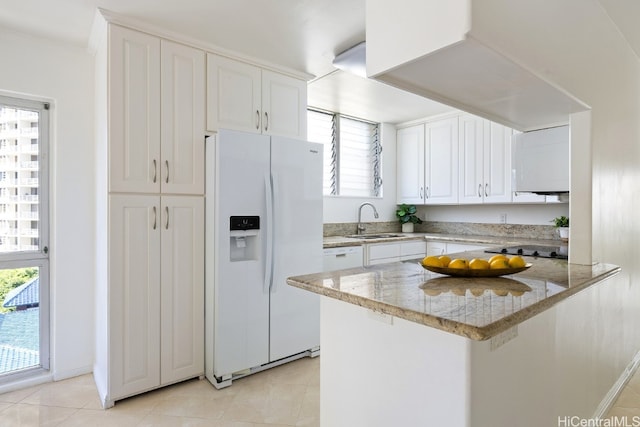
{"x":516,"y":262}
{"x":495,"y":257}
{"x":445,"y":260}
{"x":431,"y":261}
{"x":459,"y":263}
{"x":479,"y":264}
{"x":499,"y":263}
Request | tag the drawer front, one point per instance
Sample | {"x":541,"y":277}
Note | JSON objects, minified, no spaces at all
{"x":413,"y":248}
{"x":380,"y":251}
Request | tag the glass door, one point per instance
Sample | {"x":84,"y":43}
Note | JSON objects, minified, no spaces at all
{"x":24,"y":231}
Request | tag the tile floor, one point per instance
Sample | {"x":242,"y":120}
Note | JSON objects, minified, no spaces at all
{"x":288,"y":395}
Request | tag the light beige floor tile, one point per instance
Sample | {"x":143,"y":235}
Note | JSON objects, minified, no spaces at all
{"x":4,"y":405}
{"x":159,"y":420}
{"x":310,"y":409}
{"x":267,"y":403}
{"x":67,"y":395}
{"x":23,"y":415}
{"x":193,"y":406}
{"x":620,"y":412}
{"x":101,"y":418}
{"x":18,"y":395}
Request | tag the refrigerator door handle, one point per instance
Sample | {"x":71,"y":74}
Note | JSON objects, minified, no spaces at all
{"x":268,"y":263}
{"x":276,"y":197}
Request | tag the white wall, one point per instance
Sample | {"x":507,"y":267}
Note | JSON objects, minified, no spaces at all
{"x":63,"y":75}
{"x":575,"y":45}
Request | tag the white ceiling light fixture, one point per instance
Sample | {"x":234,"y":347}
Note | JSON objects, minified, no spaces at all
{"x":353,"y":60}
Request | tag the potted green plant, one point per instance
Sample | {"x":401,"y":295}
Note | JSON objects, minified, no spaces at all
{"x":562,"y":224}
{"x":407,"y":216}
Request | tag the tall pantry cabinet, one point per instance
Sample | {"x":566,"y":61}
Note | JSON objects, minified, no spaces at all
{"x":150,"y":213}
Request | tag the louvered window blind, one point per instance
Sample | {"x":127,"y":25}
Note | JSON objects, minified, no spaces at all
{"x":352,"y":154}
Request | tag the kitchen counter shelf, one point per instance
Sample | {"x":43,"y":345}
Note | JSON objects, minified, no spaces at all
{"x":400,"y":289}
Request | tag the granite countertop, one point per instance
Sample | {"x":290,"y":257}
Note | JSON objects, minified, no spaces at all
{"x":477,"y":308}
{"x":342,"y":241}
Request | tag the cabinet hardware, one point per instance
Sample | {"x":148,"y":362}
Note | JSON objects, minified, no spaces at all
{"x":421,"y":192}
{"x":486,"y":190}
{"x":155,"y":171}
{"x":266,"y":121}
{"x":155,"y":218}
{"x":166,"y":162}
{"x":257,"y":119}
{"x":427,"y":193}
{"x":166,"y":210}
{"x":479,"y":190}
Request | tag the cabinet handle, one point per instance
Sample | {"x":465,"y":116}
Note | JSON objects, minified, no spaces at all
{"x":257,"y":119}
{"x":266,"y":121}
{"x":166,"y":162}
{"x":486,"y":190}
{"x":155,"y":218}
{"x":166,"y":211}
{"x":479,"y":190}
{"x":421,"y":193}
{"x":155,"y":171}
{"x":426,"y":193}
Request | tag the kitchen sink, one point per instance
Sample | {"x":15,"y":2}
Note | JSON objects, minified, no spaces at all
{"x":373,"y":236}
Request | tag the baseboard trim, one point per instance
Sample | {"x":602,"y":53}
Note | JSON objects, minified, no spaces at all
{"x":609,"y":399}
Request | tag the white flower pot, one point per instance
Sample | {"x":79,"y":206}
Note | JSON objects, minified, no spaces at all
{"x":564,"y":233}
{"x":407,"y":227}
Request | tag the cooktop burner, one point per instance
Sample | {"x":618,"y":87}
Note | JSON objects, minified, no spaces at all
{"x":559,"y":252}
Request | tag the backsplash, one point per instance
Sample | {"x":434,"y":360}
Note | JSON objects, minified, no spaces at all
{"x":462,"y":228}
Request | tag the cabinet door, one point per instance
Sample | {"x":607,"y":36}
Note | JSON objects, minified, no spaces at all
{"x":182,"y":132}
{"x":284,"y":105}
{"x":134,"y":111}
{"x":182,"y":297}
{"x":410,"y":165}
{"x":233,"y":95}
{"x":497,"y":163}
{"x":441,"y":161}
{"x":471,"y":142}
{"x":134,"y":293}
{"x":436,"y":248}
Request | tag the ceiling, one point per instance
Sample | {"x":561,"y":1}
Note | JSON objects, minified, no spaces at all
{"x":303,"y":35}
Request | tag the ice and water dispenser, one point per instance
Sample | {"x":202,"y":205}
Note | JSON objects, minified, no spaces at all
{"x":244,"y":238}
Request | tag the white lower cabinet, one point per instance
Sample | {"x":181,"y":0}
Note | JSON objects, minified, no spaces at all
{"x":381,"y":253}
{"x":442,"y":248}
{"x":156,"y":292}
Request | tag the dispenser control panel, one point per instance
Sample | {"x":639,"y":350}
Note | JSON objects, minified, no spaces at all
{"x":244,"y":223}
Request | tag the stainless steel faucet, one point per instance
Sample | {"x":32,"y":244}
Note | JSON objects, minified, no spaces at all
{"x":361,"y":227}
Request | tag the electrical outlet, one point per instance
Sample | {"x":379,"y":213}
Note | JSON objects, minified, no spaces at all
{"x":503,"y":218}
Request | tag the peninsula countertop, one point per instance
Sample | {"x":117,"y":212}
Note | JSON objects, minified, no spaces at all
{"x":472,"y":307}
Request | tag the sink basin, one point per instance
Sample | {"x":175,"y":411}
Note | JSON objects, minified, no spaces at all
{"x":373,"y":236}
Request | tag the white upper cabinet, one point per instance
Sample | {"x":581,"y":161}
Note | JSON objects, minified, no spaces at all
{"x":182,"y":130}
{"x":485,"y":161}
{"x":427,"y":163}
{"x":410,"y":165}
{"x":134,"y":111}
{"x":244,"y":97}
{"x":441,"y":162}
{"x":154,"y":149}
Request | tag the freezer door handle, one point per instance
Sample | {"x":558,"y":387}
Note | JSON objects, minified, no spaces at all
{"x":268,"y":258}
{"x":274,"y":230}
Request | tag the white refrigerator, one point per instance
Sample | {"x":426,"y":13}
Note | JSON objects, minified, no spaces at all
{"x":263,"y":224}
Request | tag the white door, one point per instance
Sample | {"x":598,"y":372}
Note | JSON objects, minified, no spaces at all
{"x":233,"y":95}
{"x":182,"y":135}
{"x":297,"y":195}
{"x":182,"y":297}
{"x":410,"y":165}
{"x":497,"y":164}
{"x":134,"y":111}
{"x":441,"y":164}
{"x":134,"y":293}
{"x":471,"y":142}
{"x":284,"y":105}
{"x":241,"y":291}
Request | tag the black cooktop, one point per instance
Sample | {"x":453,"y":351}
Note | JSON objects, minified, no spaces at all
{"x":559,"y":252}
